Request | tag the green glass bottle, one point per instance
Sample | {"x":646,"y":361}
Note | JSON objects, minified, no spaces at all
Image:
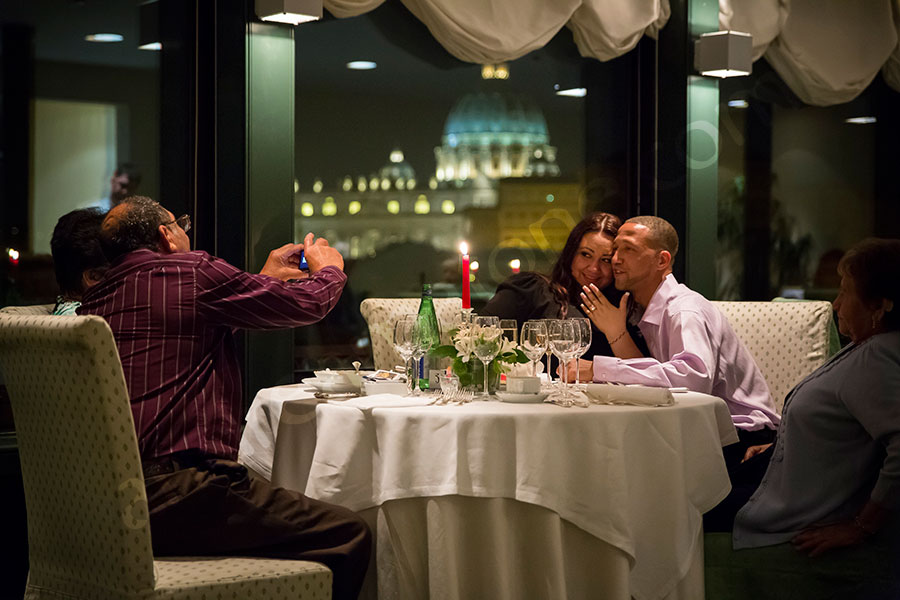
{"x":432,"y":334}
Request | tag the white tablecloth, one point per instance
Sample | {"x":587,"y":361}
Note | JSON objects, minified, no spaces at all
{"x":637,"y":479}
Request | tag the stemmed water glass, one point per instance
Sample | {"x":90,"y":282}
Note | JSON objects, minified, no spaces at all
{"x":563,"y":341}
{"x":583,"y":331}
{"x":548,"y":351}
{"x":488,"y":340}
{"x":405,"y":345}
{"x":534,"y":342}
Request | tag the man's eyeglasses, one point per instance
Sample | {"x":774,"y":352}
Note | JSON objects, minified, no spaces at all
{"x":184,"y":221}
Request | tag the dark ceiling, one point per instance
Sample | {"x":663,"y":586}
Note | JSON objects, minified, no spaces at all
{"x":408,"y":56}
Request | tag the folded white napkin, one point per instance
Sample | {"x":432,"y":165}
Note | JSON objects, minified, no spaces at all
{"x":639,"y":395}
{"x":366,"y":403}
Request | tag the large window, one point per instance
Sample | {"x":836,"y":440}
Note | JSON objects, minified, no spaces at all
{"x":402,"y":157}
{"x":73,"y":111}
{"x":798,"y":185}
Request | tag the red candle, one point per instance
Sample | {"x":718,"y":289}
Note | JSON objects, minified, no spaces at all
{"x":466,"y":295}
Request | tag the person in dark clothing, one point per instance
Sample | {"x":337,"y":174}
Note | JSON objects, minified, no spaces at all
{"x":584,"y":261}
{"x":78,"y":260}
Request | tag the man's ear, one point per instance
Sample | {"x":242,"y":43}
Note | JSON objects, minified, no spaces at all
{"x":664,"y":260}
{"x":90,"y":277}
{"x":166,"y":240}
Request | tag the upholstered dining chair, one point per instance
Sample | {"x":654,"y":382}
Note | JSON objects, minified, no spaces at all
{"x":381,"y":314}
{"x":88,"y":527}
{"x":788,"y":340}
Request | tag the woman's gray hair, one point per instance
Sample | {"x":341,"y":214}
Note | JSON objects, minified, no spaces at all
{"x":132,"y":226}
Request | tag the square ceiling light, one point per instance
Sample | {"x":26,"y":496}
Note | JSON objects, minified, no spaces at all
{"x":724,"y":54}
{"x":293,"y":12}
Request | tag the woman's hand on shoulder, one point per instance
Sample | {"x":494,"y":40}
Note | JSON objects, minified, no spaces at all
{"x":818,"y":540}
{"x":607,"y":317}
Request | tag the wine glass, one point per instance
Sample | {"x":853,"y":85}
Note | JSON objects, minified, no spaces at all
{"x":421,"y":345}
{"x":563,"y":341}
{"x":548,"y":350}
{"x":583,"y":330}
{"x":488,"y":339}
{"x":534,"y":342}
{"x":510,"y":328}
{"x":405,"y":345}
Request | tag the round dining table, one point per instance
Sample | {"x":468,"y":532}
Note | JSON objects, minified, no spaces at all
{"x":507,"y":500}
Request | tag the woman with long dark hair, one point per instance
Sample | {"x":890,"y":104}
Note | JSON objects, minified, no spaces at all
{"x":583,"y":262}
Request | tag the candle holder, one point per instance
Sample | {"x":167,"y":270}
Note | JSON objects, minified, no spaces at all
{"x":466,"y":315}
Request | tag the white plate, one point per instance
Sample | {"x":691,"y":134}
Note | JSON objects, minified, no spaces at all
{"x":330,"y":388}
{"x":521,"y":398}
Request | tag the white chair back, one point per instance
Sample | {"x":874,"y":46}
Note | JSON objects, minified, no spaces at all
{"x":88,"y":525}
{"x":788,"y":340}
{"x":381,"y":314}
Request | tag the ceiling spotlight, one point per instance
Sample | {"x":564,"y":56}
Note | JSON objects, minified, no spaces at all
{"x":104,"y":37}
{"x":292,"y":12}
{"x":738,"y":104}
{"x":861,"y":120}
{"x":155,"y":46}
{"x":573,"y":92}
{"x":361,"y":65}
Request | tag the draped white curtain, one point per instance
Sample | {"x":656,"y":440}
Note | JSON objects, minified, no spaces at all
{"x":490,"y":31}
{"x":827,"y":51}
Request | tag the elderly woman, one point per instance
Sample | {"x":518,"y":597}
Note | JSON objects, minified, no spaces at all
{"x":833,"y":478}
{"x":584,"y":261}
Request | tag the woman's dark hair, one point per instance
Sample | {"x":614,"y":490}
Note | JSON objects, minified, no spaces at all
{"x":565,"y":288}
{"x":76,"y":248}
{"x":134,"y":226}
{"x":874,"y":266}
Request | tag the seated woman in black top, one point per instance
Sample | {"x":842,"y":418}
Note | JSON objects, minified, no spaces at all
{"x":584,"y":261}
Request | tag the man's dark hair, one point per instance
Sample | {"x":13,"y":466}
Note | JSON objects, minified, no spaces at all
{"x":662,"y":235}
{"x":75,"y":247}
{"x":134,"y":224}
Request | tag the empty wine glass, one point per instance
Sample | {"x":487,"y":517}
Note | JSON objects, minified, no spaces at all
{"x":562,"y":336}
{"x":583,"y":330}
{"x":488,"y":339}
{"x":421,"y":345}
{"x":405,"y":345}
{"x":548,"y":351}
{"x":534,"y":342}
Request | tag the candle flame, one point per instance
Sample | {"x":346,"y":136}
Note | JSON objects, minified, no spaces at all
{"x":463,"y":248}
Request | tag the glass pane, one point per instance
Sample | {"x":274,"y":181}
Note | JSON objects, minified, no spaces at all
{"x":399,"y":164}
{"x":797,"y":188}
{"x":92,"y":107}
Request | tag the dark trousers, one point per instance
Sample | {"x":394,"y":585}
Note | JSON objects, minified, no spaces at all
{"x":745,"y":477}
{"x":212,"y":507}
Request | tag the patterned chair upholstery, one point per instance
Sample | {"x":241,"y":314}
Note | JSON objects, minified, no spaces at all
{"x":88,"y":527}
{"x":788,"y":340}
{"x":381,"y":314}
{"x":34,"y":309}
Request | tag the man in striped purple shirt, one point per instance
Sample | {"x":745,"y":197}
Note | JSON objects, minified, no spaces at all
{"x":173,"y":313}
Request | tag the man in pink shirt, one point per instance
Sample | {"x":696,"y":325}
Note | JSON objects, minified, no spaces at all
{"x":691,"y":343}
